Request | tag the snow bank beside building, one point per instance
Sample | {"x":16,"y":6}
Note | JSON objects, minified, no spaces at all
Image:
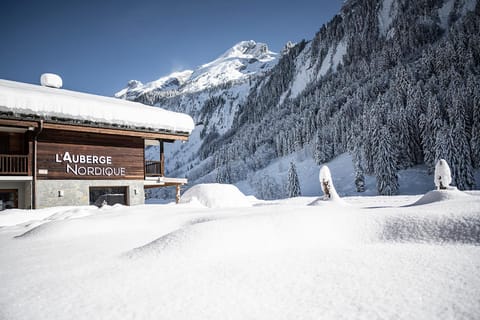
{"x":216,"y":195}
{"x":17,"y":217}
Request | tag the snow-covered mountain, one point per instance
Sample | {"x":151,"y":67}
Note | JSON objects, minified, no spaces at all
{"x":394,"y":83}
{"x":212,"y":92}
{"x":170,"y":83}
{"x":239,"y":63}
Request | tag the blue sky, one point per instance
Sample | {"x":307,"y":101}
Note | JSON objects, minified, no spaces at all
{"x":97,"y":46}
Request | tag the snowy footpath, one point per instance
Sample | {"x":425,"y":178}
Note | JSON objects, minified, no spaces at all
{"x":234,"y":257}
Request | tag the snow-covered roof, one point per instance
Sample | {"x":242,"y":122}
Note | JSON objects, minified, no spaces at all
{"x":24,"y":100}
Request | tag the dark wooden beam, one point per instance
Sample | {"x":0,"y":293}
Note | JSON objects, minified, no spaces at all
{"x":162,"y":159}
{"x":168,"y":137}
{"x":120,"y":132}
{"x":18,"y":123}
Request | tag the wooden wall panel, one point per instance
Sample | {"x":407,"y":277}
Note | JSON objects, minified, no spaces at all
{"x":82,"y":138}
{"x":71,"y":155}
{"x":12,"y":143}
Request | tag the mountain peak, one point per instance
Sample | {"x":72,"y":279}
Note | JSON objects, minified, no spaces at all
{"x":247,"y":49}
{"x":243,"y":60}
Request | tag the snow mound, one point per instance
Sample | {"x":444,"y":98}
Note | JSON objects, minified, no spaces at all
{"x":432,"y":228}
{"x":243,"y":235}
{"x":451,"y":193}
{"x":56,"y":229}
{"x":320,"y":201}
{"x":216,"y":195}
{"x":13,"y":217}
{"x":68,"y":222}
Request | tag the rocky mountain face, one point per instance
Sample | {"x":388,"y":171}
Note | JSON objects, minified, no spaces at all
{"x":395,"y":83}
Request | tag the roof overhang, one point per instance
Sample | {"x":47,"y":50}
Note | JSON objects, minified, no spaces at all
{"x":158,"y":182}
{"x":65,"y":125}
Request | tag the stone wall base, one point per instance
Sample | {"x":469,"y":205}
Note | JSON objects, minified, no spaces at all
{"x":51,"y":193}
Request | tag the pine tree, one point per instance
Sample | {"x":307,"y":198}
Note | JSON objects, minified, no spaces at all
{"x":356,"y":150}
{"x":324,"y":150}
{"x":359,"y":179}
{"x":293,"y":186}
{"x":431,"y":123}
{"x":461,"y":163}
{"x":386,"y":164}
{"x":223,"y":174}
{"x":475,"y":139}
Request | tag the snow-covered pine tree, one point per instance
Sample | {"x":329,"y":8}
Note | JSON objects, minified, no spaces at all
{"x":293,"y":184}
{"x":414,"y":104}
{"x":475,"y":139}
{"x":356,"y":150}
{"x":323,"y":146}
{"x":461,"y":162}
{"x":222,"y":166}
{"x":431,"y":122}
{"x":473,"y":108}
{"x":360,"y":179}
{"x":386,"y":164}
{"x":223,"y":174}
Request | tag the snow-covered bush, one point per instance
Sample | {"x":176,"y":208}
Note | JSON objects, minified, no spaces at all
{"x":443,"y":176}
{"x":326,"y":183}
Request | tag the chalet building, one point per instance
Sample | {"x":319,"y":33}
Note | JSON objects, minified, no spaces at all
{"x":60,"y":147}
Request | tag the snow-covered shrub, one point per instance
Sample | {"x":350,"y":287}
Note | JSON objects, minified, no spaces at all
{"x":326,"y":183}
{"x":443,"y":176}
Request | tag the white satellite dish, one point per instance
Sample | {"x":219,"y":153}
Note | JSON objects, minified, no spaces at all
{"x":51,"y":80}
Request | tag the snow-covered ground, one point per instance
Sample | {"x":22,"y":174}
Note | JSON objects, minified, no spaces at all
{"x":403,"y":257}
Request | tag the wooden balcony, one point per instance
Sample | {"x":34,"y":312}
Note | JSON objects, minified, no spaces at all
{"x":153,"y":169}
{"x":11,"y":164}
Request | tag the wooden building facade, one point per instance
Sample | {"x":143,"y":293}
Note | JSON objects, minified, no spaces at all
{"x":49,"y":161}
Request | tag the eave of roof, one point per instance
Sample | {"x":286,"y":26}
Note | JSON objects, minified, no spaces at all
{"x":20,"y":101}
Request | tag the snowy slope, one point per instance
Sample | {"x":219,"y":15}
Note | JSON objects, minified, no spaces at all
{"x":412,"y":181}
{"x":371,"y":258}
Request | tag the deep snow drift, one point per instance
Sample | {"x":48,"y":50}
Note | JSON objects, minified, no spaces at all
{"x":404,"y":257}
{"x":215,"y":195}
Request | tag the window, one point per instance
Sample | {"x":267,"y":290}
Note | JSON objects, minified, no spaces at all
{"x":100,"y":196}
{"x":4,"y":142}
{"x":8,"y":199}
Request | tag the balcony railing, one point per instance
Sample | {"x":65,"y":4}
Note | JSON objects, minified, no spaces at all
{"x":13,"y":164}
{"x":153,"y":168}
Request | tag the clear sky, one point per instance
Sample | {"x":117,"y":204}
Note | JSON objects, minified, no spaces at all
{"x":97,"y":46}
